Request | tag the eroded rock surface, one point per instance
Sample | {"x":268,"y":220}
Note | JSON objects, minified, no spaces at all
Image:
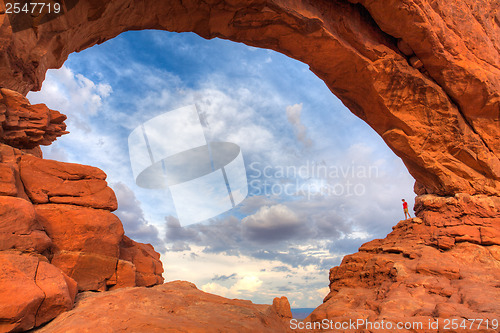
{"x":32,"y":291}
{"x":85,"y":242}
{"x":172,"y":307}
{"x":19,"y":228}
{"x":148,"y":267}
{"x":47,"y":181}
{"x":27,"y":126}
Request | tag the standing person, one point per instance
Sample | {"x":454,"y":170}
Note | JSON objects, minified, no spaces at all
{"x":405,"y":208}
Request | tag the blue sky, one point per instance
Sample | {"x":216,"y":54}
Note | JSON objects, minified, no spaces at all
{"x":283,"y":118}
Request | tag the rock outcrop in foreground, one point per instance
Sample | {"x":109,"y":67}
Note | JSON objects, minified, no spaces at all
{"x":424,"y":74}
{"x":172,"y":307}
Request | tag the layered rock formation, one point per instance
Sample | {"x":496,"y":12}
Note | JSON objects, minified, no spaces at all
{"x":423,"y":74}
{"x":25,"y":125}
{"x":57,"y":233}
{"x":172,"y":307}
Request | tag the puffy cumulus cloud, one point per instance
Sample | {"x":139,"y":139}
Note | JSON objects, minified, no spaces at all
{"x":272,"y":223}
{"x":73,"y":94}
{"x":215,"y":288}
{"x":275,"y":232}
{"x":233,"y":114}
{"x":293,"y":113}
{"x":253,"y":203}
{"x":246,"y":284}
{"x":90,"y":140}
{"x":132,"y":216}
{"x":179,"y":237}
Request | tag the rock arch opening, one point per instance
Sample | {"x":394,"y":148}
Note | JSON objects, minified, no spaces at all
{"x":330,"y":171}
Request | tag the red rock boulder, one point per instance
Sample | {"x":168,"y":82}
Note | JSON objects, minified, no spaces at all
{"x":425,"y":75}
{"x":10,"y":179}
{"x":19,"y":228}
{"x":85,"y":242}
{"x":147,"y":262}
{"x":442,"y":265}
{"x":89,"y":246}
{"x":32,"y":291}
{"x":48,"y":181}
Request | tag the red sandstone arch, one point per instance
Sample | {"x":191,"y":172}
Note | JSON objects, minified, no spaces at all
{"x":424,"y":74}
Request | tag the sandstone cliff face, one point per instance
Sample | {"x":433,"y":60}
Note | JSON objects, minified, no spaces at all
{"x":424,"y":74}
{"x":57,"y":233}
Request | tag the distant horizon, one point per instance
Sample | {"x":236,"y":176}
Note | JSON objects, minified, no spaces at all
{"x":301,"y":313}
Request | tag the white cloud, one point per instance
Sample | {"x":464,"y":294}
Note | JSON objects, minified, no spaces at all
{"x":322,"y":292}
{"x":293,"y":113}
{"x":272,"y":223}
{"x":276,"y":216}
{"x":73,"y":94}
{"x":132,"y":216}
{"x":217,"y":289}
{"x":247,"y":284}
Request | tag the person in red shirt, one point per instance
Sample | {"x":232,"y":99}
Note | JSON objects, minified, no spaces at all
{"x":405,"y":208}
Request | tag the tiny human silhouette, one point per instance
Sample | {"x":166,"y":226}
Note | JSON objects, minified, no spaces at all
{"x":405,"y":208}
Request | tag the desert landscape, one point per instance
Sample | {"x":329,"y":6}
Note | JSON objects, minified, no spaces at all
{"x":425,"y":75}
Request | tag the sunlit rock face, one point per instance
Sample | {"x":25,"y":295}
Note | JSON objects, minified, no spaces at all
{"x":27,"y":126}
{"x":425,"y":75}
